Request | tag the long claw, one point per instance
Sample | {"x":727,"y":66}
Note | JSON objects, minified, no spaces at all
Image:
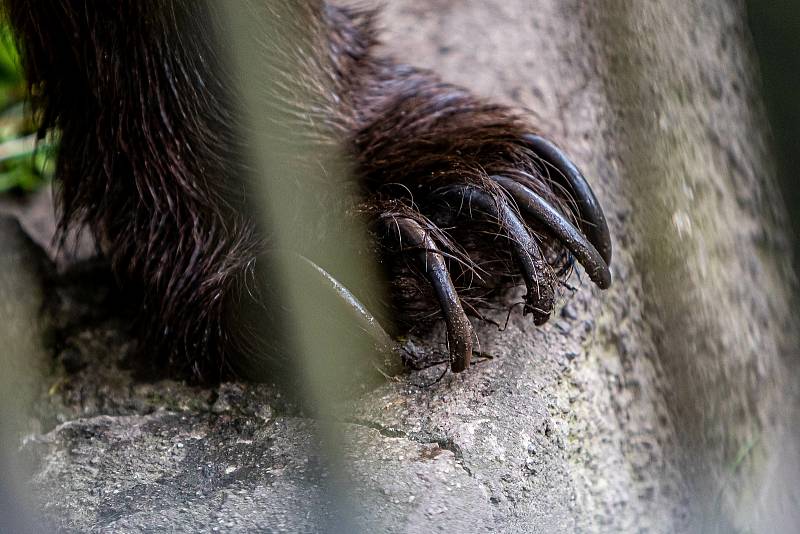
{"x":431,"y":262}
{"x":536,"y":207}
{"x":593,"y":221}
{"x":358,"y":313}
{"x":537,"y":274}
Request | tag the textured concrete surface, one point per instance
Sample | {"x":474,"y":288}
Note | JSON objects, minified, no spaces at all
{"x":570,"y":427}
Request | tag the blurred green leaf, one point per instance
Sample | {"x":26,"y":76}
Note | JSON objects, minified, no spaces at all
{"x":25,"y":163}
{"x":10,"y":73}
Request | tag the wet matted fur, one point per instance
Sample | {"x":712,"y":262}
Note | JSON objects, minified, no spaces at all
{"x":150,"y":161}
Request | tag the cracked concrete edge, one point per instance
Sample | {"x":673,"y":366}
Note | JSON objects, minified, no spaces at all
{"x":398,"y":484}
{"x":443,"y":443}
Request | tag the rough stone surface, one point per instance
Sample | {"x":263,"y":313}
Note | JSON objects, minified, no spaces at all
{"x":571,"y":427}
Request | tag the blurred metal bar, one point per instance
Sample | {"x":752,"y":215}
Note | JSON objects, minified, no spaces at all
{"x":23,"y":360}
{"x":300,"y":181}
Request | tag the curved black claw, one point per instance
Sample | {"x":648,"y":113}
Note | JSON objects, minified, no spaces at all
{"x":535,"y":270}
{"x":536,"y":207}
{"x":343,"y":302}
{"x":411,"y":235}
{"x":592,"y":219}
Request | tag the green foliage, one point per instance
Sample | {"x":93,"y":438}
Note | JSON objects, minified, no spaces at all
{"x":25,"y":161}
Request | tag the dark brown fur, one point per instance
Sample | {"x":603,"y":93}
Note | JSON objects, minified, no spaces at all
{"x":150,"y":156}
